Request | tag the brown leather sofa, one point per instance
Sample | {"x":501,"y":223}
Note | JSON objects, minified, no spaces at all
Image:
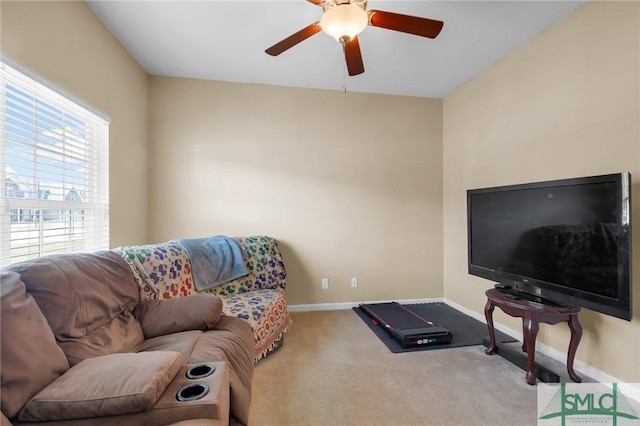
{"x":80,"y":348}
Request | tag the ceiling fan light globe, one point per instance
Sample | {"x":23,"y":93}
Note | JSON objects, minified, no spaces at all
{"x":344,"y":21}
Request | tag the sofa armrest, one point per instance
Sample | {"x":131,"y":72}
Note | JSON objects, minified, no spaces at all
{"x":194,"y":312}
{"x":95,"y":387}
{"x":214,"y":405}
{"x":265,"y":265}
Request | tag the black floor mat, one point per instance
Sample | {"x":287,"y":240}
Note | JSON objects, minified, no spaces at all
{"x":466,"y":330}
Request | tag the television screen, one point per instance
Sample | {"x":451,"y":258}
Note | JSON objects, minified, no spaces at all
{"x":567,"y":241}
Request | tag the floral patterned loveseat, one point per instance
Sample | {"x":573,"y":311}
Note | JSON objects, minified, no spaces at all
{"x":163,"y":271}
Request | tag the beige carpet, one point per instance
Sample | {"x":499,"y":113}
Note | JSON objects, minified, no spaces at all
{"x":332,"y":370}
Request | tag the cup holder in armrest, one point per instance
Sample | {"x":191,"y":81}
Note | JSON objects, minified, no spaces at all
{"x":200,"y":371}
{"x":192,"y":392}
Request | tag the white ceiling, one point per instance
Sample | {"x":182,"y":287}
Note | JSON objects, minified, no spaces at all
{"x":225,"y":40}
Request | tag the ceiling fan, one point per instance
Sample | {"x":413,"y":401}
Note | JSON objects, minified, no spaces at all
{"x":345,"y":19}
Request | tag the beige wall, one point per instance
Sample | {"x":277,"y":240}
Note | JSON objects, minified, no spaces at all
{"x":66,"y":44}
{"x":565,"y":105}
{"x":350,"y":184}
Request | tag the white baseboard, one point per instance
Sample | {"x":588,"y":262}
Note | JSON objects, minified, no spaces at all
{"x":555,"y":354}
{"x":349,"y":305}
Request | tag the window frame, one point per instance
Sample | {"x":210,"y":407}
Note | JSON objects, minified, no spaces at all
{"x":87,"y":205}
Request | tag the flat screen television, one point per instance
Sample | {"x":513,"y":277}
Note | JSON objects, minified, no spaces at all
{"x":564,"y":242}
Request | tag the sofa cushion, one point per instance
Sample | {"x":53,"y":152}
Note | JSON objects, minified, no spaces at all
{"x":161,"y":271}
{"x":182,"y":342}
{"x":265,"y":265}
{"x":95,"y":387}
{"x":266,"y":311}
{"x":120,"y":334}
{"x":97,"y":295}
{"x":29,"y":357}
{"x":194,"y":312}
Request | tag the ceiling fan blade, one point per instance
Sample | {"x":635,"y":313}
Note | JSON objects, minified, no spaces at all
{"x":423,"y":27}
{"x":294,"y":39}
{"x":353,"y":57}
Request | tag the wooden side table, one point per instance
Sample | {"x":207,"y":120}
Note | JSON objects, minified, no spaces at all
{"x":532,"y":314}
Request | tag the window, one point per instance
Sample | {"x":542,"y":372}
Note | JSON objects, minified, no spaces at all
{"x":54,"y":194}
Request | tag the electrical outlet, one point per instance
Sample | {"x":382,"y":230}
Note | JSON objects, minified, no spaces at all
{"x":325,"y":283}
{"x":354,"y":282}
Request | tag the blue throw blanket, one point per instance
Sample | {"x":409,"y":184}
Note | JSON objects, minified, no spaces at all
{"x":215,"y":260}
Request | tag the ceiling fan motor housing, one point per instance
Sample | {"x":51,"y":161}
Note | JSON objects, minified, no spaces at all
{"x":344,"y":21}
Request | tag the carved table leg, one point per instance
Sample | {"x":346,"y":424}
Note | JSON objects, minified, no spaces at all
{"x":488,"y":314}
{"x":530,"y":333}
{"x":576,"y":335}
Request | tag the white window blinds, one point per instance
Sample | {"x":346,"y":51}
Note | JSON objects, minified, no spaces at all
{"x":53,"y":171}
